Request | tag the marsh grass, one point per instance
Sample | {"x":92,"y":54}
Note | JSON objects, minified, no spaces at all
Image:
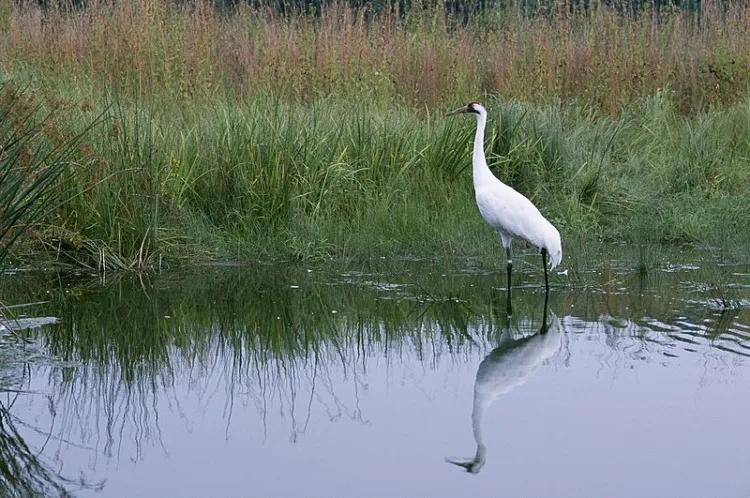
{"x":36,"y":161}
{"x":722,"y":288}
{"x":421,"y":57}
{"x":254,"y":136}
{"x":271,"y":180}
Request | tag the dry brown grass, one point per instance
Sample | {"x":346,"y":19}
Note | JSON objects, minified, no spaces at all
{"x":603,"y":58}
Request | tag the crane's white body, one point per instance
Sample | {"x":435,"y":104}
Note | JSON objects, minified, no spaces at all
{"x":505,"y":209}
{"x":508,"y":366}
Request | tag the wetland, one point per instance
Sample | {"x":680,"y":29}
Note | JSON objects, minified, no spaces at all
{"x":375,"y":378}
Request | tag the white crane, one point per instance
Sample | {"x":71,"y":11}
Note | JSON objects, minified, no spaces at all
{"x":508,"y":366}
{"x":505,"y":209}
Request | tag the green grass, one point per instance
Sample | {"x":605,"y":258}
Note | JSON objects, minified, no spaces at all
{"x":36,"y":165}
{"x":269,"y":180}
{"x":221,"y":142}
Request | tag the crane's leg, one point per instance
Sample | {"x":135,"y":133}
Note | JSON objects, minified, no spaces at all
{"x":509,"y":267}
{"x":546,"y":292}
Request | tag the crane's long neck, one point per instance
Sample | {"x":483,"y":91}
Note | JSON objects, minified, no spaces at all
{"x":481,"y":172}
{"x":477,"y":414}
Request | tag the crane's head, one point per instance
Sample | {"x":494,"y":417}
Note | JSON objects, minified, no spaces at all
{"x":472,"y":108}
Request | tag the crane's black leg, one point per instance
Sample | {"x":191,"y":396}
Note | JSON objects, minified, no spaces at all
{"x":544,"y":316}
{"x":546,"y":292}
{"x":510,"y":269}
{"x":544,"y":264}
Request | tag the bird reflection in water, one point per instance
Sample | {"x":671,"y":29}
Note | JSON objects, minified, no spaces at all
{"x":513,"y":362}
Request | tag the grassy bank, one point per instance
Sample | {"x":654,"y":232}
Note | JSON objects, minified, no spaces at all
{"x":250,"y":136}
{"x":264,"y":179}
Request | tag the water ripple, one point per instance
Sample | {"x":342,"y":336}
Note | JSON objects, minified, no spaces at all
{"x":625,"y":343}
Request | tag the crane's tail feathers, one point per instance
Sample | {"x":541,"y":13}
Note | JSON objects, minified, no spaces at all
{"x":555,"y":258}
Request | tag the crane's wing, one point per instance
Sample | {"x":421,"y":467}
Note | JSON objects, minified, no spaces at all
{"x":509,"y":211}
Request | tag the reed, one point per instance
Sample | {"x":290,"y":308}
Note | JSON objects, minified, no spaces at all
{"x":36,"y":151}
{"x":258,"y":136}
{"x":422,"y":57}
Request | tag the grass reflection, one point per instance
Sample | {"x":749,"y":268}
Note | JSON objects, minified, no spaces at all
{"x":282,"y":338}
{"x":259,"y":315}
{"x":25,"y":469}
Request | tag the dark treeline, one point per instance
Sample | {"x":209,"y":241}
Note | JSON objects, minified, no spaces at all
{"x":461,"y":10}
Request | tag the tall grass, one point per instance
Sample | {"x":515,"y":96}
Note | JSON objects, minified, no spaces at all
{"x":422,"y":58}
{"x":251,"y":135}
{"x":265,"y":179}
{"x":34,"y":152}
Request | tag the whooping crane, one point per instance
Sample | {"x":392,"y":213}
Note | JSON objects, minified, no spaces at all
{"x":505,"y":209}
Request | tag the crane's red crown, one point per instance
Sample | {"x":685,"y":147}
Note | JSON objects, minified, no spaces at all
{"x":471,"y":107}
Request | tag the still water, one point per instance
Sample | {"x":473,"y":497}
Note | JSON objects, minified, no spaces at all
{"x":402,"y":379}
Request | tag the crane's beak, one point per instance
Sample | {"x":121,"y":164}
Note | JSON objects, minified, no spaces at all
{"x":460,"y":110}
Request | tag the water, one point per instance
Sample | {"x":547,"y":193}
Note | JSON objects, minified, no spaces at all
{"x":370,"y":380}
